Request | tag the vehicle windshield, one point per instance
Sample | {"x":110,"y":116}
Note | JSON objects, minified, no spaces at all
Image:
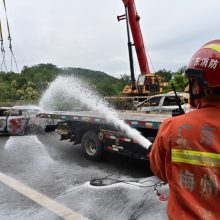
{"x":170,"y":101}
{"x":155,"y":101}
{"x":141,"y":80}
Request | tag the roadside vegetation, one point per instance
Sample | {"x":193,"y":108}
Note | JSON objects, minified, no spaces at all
{"x":28,"y":86}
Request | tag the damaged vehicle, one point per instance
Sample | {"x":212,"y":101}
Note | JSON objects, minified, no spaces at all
{"x":164,"y":103}
{"x":21,"y":120}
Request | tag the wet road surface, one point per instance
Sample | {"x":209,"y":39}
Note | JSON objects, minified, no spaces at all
{"x":60,"y":172}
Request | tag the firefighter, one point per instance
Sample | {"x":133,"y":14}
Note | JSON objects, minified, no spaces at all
{"x":186,"y":151}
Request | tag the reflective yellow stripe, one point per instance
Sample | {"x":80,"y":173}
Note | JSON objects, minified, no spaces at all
{"x":196,"y":157}
{"x":215,"y":47}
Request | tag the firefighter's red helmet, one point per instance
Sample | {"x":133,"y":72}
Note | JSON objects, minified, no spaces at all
{"x":205,"y":65}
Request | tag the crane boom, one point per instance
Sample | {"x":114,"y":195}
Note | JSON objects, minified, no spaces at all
{"x":137,"y":36}
{"x":147,"y":82}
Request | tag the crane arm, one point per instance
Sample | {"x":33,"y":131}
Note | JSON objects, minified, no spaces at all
{"x":137,"y":35}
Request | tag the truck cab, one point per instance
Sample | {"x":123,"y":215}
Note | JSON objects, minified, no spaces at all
{"x":148,"y":84}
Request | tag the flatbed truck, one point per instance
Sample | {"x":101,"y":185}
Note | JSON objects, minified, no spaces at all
{"x":97,"y":136}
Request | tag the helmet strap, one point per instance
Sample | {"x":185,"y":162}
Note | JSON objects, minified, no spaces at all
{"x":194,"y":97}
{"x":202,"y":93}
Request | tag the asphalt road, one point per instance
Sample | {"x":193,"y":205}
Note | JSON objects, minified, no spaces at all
{"x":30,"y":165}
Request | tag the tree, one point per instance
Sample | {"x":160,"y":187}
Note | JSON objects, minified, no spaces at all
{"x":106,"y":89}
{"x":181,"y":70}
{"x":125,"y":78}
{"x":179,"y":82}
{"x":166,"y":75}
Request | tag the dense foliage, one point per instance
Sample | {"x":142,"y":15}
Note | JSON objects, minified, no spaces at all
{"x":177,"y":78}
{"x":29,"y":85}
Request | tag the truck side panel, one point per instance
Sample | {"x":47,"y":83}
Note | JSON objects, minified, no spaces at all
{"x":94,"y":133}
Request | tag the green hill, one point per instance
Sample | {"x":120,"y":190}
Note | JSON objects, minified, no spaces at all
{"x":30,"y":84}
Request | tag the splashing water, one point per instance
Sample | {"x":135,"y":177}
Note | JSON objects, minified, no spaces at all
{"x":67,"y":93}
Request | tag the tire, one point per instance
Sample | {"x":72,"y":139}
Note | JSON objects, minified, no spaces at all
{"x":50,"y":128}
{"x":92,"y":146}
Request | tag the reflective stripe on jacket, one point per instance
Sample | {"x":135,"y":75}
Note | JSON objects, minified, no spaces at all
{"x":186,"y":154}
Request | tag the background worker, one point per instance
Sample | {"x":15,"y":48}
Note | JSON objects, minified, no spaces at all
{"x":186,"y":152}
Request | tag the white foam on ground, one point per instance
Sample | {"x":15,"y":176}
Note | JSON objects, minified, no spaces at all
{"x":117,"y":201}
{"x":29,"y":143}
{"x":67,"y":93}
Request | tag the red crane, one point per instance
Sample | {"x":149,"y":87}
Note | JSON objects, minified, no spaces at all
{"x":136,"y":33}
{"x":147,"y":83}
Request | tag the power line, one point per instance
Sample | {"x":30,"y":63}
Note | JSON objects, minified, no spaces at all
{"x":10,"y":41}
{"x":2,"y":49}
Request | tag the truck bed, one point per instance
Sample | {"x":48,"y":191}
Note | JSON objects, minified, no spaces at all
{"x":134,"y":119}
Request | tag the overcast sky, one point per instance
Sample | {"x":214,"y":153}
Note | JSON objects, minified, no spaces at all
{"x":86,"y":33}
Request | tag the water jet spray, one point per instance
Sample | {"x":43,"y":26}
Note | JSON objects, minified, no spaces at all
{"x":70,"y":93}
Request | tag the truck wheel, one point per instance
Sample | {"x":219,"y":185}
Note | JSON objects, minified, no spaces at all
{"x":92,"y":146}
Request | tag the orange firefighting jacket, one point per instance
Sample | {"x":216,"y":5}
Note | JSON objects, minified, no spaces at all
{"x":186,"y":154}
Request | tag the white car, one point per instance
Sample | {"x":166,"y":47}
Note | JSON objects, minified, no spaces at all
{"x":164,"y":103}
{"x":20,"y":120}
